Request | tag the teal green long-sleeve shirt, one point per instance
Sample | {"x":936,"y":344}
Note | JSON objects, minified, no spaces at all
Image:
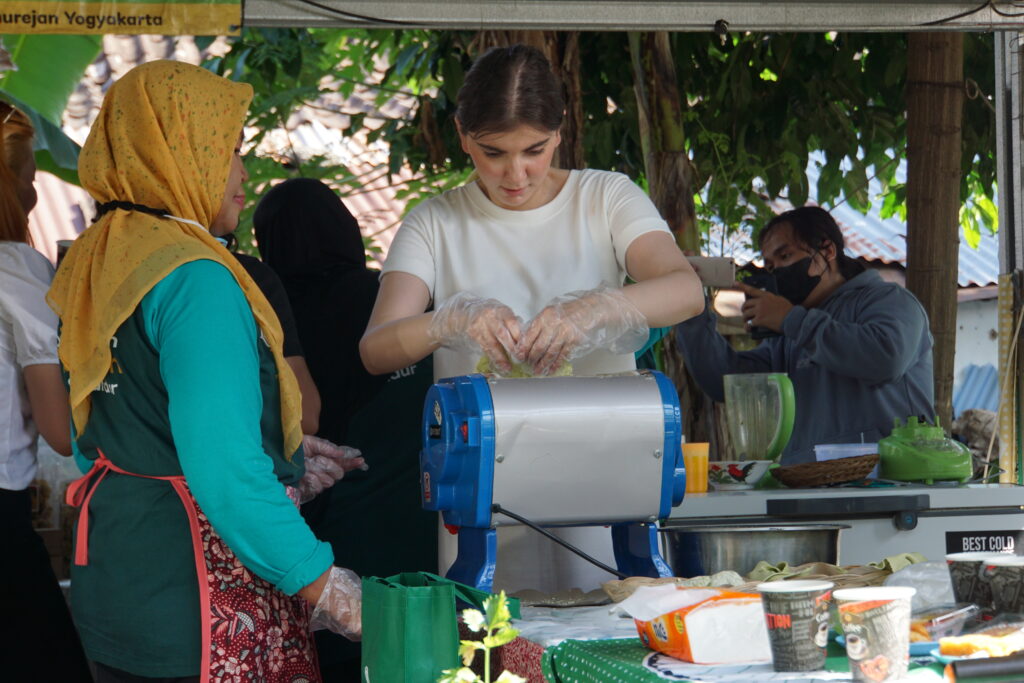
{"x":200,"y":322}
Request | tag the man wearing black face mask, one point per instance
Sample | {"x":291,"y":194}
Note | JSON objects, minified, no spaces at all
{"x":857,"y":349}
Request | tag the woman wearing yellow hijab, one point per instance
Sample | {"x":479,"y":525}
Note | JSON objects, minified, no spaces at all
{"x":190,"y":560}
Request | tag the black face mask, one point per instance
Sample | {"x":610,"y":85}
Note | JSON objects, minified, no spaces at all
{"x":793,"y":281}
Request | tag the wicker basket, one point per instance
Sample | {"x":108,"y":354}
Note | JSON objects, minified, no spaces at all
{"x":838,"y":471}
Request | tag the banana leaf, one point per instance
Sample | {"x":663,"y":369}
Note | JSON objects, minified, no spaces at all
{"x":55,"y":152}
{"x":43,"y":80}
{"x":41,"y":87}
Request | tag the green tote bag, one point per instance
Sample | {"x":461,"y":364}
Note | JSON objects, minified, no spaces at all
{"x":410,"y":632}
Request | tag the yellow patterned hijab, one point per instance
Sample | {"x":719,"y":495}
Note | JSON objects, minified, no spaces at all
{"x":164,"y":139}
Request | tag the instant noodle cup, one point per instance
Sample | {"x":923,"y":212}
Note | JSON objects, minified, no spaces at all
{"x":1005,"y":575}
{"x":796,"y":613}
{"x":970,"y":582}
{"x":700,"y":625}
{"x":876,"y":625}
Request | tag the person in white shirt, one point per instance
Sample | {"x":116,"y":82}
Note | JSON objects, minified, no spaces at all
{"x":527,"y":242}
{"x":33,"y":400}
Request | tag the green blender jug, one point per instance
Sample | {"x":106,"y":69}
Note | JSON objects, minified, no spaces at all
{"x":759,"y":409}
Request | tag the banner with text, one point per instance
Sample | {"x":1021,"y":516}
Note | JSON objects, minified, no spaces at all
{"x":167,"y":17}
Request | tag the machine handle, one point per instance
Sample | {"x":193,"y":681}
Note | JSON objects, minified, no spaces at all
{"x":788,"y":403}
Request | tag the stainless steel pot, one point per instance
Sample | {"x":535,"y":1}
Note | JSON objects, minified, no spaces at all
{"x":697,"y":550}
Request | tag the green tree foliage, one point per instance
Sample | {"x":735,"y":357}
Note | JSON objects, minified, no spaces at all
{"x":978,"y":163}
{"x":290,"y":68}
{"x":760,"y":104}
{"x":286,"y":68}
{"x":757,"y":106}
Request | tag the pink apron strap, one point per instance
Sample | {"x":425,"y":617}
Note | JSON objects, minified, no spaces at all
{"x":200,"y":558}
{"x":79,"y":494}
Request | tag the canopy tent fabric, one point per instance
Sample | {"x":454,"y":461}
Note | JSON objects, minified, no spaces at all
{"x":638,"y":15}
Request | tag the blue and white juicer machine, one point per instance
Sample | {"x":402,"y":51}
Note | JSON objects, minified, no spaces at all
{"x":559,"y":451}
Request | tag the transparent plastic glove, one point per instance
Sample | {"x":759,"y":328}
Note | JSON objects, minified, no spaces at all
{"x":577,"y":323}
{"x":340,"y":607}
{"x":326,"y":463}
{"x":349,"y":458}
{"x":465,"y":322}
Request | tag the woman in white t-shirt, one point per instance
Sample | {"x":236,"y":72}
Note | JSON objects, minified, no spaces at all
{"x":33,"y":400}
{"x":527,"y":264}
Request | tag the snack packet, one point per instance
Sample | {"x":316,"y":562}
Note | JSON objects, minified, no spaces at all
{"x":700,"y":625}
{"x":942,"y":621}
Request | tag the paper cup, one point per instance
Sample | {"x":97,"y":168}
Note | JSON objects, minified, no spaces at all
{"x":876,"y":625}
{"x":967,"y":572}
{"x":695,"y":460}
{"x":1005,"y":576}
{"x":796,"y":613}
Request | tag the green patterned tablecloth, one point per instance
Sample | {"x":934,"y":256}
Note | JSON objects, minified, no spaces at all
{"x":628,"y":661}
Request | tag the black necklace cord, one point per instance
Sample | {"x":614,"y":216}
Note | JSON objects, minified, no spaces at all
{"x":107,"y":207}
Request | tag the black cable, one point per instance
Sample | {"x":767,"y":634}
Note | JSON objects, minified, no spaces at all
{"x":969,"y":12}
{"x":568,"y":546}
{"x":1005,"y":14}
{"x":352,"y":15}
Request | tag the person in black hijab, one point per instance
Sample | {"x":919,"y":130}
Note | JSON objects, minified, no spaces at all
{"x":372,"y":519}
{"x":311,"y":240}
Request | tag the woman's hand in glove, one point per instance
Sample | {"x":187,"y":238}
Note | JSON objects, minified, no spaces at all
{"x":347,"y":457}
{"x":326,"y":463}
{"x":339,"y":607}
{"x":577,"y":323}
{"x":467,"y":323}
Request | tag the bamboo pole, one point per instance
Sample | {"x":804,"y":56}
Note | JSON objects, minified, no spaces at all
{"x":935,"y":97}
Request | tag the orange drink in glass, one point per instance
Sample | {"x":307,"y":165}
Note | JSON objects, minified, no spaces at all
{"x":695,"y":460}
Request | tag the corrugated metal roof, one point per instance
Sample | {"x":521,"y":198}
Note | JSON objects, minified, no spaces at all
{"x":62,"y":213}
{"x":374,"y":205}
{"x":979,"y":388}
{"x":871,"y":237}
{"x":885,"y":239}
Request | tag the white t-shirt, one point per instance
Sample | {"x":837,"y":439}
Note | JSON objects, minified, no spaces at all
{"x":462,"y":241}
{"x":28,"y":336}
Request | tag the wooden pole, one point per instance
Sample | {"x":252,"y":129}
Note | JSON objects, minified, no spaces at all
{"x":935,"y":98}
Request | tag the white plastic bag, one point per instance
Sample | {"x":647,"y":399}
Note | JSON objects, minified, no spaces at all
{"x":931,"y":579}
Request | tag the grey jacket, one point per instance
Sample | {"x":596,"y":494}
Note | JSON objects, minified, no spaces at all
{"x":860,"y":359}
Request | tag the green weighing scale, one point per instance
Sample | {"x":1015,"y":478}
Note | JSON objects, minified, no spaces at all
{"x":918,"y":451}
